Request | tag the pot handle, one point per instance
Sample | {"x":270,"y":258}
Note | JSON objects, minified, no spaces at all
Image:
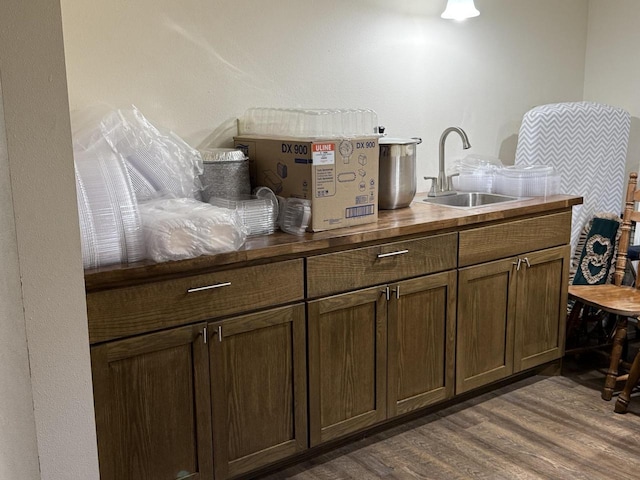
{"x":417,"y":139}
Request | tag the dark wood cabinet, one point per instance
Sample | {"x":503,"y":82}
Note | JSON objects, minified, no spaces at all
{"x":380,"y":352}
{"x":152,"y":406}
{"x":486,"y":308}
{"x":347,"y":363}
{"x":258,"y":389}
{"x":421,"y":342}
{"x":511,"y":316}
{"x":215,"y":367}
{"x":542,"y":308}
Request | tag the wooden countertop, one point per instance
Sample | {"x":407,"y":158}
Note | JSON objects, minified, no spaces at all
{"x":418,"y":218}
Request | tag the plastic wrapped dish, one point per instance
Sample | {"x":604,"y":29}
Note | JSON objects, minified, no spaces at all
{"x":180,"y":228}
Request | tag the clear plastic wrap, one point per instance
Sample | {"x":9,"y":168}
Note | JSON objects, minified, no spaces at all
{"x":160,"y":163}
{"x":180,"y":228}
{"x":110,"y":224}
{"x":120,"y":160}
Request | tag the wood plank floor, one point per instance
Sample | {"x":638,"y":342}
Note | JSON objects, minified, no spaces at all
{"x":538,"y":428}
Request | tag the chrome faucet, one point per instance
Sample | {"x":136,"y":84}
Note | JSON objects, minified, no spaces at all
{"x":442,"y":185}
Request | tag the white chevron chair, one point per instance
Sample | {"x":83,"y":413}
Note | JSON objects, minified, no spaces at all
{"x":586,"y":143}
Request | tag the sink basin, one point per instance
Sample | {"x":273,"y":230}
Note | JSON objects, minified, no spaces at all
{"x":470,"y":199}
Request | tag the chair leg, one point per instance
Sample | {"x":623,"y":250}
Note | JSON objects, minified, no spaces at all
{"x":616,"y":353}
{"x":573,"y":320}
{"x":625,"y":396}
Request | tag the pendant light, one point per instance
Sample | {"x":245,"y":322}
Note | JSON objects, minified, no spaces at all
{"x":460,"y":10}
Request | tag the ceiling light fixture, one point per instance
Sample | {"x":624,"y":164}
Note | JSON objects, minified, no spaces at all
{"x":460,"y":10}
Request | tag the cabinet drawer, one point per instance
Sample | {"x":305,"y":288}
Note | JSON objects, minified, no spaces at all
{"x":363,"y":267}
{"x":513,"y":238}
{"x":142,"y":308}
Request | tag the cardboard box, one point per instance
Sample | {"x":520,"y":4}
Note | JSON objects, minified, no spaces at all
{"x":339,"y":176}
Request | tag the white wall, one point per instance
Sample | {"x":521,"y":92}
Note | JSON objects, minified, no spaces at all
{"x":194,"y":65}
{"x":612,"y":70}
{"x":18,"y":448}
{"x":45,"y":245}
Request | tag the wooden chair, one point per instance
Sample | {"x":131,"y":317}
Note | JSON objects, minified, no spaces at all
{"x":616,"y":299}
{"x":625,"y":396}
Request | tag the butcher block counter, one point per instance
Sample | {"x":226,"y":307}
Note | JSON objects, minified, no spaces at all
{"x":222,"y":366}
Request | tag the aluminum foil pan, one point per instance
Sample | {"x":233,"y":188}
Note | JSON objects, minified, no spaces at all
{"x":225,"y":173}
{"x":214,"y":155}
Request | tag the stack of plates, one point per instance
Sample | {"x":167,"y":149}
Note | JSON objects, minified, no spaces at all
{"x":110,"y":226}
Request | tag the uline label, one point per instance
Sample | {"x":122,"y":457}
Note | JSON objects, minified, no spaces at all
{"x":323,"y":153}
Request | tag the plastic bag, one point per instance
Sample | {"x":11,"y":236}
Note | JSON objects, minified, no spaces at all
{"x":179,"y":228}
{"x":160,"y":164}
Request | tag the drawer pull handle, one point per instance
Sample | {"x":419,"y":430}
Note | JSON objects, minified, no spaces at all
{"x":209,"y":287}
{"x":392,"y":254}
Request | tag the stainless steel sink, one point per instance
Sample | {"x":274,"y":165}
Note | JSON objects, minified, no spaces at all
{"x":470,"y":199}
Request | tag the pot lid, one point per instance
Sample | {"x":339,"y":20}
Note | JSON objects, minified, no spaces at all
{"x":399,"y":141}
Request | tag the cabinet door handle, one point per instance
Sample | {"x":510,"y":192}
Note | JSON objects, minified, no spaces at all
{"x":526,"y":260}
{"x":386,"y":293}
{"x":396,"y":290}
{"x":209,"y":287}
{"x":205,"y":335}
{"x":517,"y":264}
{"x":392,"y":254}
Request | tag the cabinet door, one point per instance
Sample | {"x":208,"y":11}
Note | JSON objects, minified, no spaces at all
{"x":258,"y":388}
{"x":486,"y":310}
{"x":347,"y":363}
{"x":541,"y":311}
{"x":152,"y":406}
{"x":421,"y":322}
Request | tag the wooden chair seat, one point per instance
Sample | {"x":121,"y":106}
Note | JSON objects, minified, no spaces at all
{"x":618,"y":300}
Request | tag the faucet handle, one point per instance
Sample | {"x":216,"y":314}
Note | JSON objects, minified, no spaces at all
{"x":450,"y":180}
{"x":434,"y":182}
